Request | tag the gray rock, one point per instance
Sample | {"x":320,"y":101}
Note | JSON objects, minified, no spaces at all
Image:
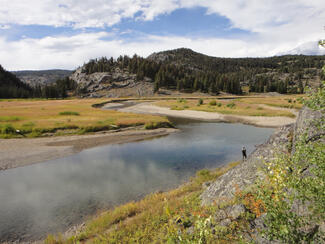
{"x":190,"y":230}
{"x":220,"y":215}
{"x":246,"y":173}
{"x":234,"y":212}
{"x":225,"y":222}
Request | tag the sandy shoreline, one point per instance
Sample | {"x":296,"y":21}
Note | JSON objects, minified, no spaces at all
{"x":262,"y":121}
{"x":22,"y":152}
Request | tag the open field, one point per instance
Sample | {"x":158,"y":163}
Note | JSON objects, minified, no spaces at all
{"x":60,"y":117}
{"x":158,"y":218}
{"x":247,"y":106}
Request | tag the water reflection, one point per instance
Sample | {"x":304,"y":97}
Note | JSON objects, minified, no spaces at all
{"x":48,"y":197}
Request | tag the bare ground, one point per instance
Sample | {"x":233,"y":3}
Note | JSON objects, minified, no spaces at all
{"x":21,"y":152}
{"x":262,"y":121}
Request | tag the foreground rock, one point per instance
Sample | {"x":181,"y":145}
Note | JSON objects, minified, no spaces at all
{"x":247,"y":173}
{"x":242,"y":177}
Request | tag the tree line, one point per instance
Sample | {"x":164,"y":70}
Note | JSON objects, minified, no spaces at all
{"x":13,"y":87}
{"x":185,"y":70}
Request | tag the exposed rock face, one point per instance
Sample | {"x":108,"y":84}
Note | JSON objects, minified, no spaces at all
{"x":117,"y":83}
{"x":306,"y":119}
{"x":246,"y":173}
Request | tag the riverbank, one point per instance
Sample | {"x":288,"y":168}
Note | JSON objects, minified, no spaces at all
{"x":22,"y":152}
{"x":150,"y":108}
{"x":213,"y":206}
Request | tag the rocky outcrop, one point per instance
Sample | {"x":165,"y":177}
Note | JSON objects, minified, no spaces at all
{"x":117,"y":83}
{"x":247,"y":172}
{"x":308,"y":118}
{"x":223,"y":190}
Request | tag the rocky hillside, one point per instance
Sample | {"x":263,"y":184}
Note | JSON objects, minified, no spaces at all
{"x":187,"y":71}
{"x":237,"y":183}
{"x":41,"y":77}
{"x":115,"y":83}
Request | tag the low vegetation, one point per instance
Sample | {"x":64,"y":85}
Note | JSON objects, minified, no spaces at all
{"x":35,"y":118}
{"x":251,"y":106}
{"x":69,"y":113}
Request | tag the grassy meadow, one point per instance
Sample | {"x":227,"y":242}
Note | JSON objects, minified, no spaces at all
{"x":43,"y":117}
{"x":250,"y":106}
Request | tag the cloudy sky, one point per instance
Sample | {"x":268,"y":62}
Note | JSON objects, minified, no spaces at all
{"x":46,"y":34}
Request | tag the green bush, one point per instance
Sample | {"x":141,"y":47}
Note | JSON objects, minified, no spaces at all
{"x":200,"y":102}
{"x":213,"y":103}
{"x":8,"y":130}
{"x":181,"y":100}
{"x":69,"y":113}
{"x":219,"y":104}
{"x":156,"y":125}
{"x":231,"y":105}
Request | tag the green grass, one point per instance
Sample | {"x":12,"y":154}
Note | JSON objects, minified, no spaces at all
{"x":155,"y":125}
{"x":69,"y":113}
{"x":9,"y":118}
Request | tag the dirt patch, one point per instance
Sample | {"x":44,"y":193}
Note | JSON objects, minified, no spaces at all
{"x":263,"y":121}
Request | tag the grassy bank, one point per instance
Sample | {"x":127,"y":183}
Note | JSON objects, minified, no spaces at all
{"x":250,"y":106}
{"x":59,"y":117}
{"x":159,"y":217}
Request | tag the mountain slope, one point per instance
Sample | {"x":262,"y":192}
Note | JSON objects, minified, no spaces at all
{"x":11,"y":86}
{"x":187,"y":71}
{"x":41,"y":77}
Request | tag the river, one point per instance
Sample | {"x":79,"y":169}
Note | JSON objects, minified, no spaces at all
{"x":51,"y":196}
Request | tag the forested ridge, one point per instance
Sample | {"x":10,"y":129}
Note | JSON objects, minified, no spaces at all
{"x":12,"y":87}
{"x":186,"y":70}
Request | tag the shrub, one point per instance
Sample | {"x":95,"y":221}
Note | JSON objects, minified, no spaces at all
{"x":155,"y":125}
{"x":231,"y":105}
{"x":219,"y":104}
{"x":213,"y":103}
{"x":200,"y":102}
{"x":94,"y":128}
{"x":8,"y":129}
{"x":181,"y":100}
{"x":69,"y":113}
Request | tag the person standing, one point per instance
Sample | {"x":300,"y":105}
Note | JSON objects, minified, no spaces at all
{"x":244,"y":153}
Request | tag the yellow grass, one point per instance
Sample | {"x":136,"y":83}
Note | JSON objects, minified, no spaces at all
{"x":251,"y":106}
{"x":45,"y":114}
{"x":288,"y":101}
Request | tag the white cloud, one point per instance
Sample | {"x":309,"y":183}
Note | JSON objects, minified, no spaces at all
{"x":4,"y":27}
{"x":70,"y":52}
{"x":310,"y":48}
{"x":278,"y":26}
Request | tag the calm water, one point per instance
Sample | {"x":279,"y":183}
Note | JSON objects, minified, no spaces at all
{"x":51,"y":196}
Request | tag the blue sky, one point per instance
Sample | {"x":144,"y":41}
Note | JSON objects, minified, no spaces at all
{"x":42,"y":34}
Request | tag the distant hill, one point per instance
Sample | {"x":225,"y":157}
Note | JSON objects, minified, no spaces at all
{"x":41,"y":77}
{"x":11,"y":86}
{"x":188,"y":71}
